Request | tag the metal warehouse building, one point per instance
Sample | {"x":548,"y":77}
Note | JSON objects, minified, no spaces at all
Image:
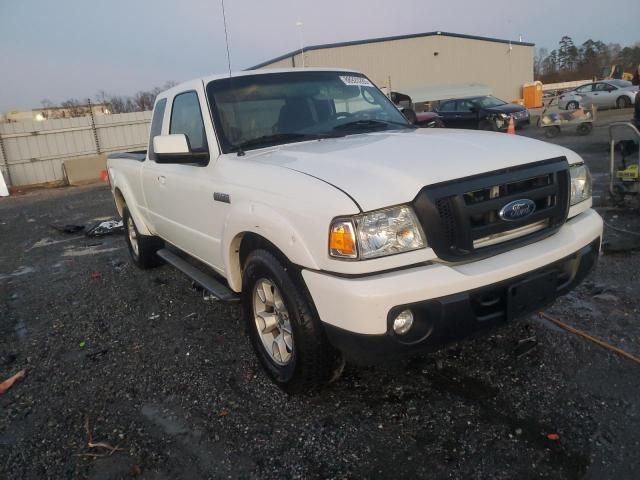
{"x":411,"y":62}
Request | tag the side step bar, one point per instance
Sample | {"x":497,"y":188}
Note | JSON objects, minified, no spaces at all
{"x":208,"y":282}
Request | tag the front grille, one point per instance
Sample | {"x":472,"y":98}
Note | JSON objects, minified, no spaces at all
{"x":462,"y":218}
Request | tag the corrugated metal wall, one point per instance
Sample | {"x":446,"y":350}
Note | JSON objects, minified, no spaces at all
{"x":33,"y":152}
{"x":411,"y":62}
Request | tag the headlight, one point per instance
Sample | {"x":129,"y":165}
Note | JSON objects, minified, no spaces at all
{"x":376,"y":234}
{"x":580,"y":183}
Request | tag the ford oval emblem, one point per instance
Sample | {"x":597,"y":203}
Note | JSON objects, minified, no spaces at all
{"x":517,"y":210}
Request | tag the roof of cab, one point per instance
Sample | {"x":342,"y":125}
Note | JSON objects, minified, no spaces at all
{"x":186,"y":85}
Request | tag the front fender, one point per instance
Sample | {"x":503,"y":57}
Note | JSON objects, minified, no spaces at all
{"x":262,"y":220}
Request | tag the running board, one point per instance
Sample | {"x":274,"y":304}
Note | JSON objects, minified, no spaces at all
{"x":208,"y":282}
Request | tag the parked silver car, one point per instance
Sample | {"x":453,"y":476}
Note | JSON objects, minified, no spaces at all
{"x":604,"y":94}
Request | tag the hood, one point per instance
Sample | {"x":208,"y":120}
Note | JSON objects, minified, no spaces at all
{"x":389,"y":168}
{"x":506,"y":108}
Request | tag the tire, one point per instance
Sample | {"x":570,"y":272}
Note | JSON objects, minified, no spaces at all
{"x":623,"y":102}
{"x":584,"y":129}
{"x":572,"y":105}
{"x":291,"y":346}
{"x":551,"y":132}
{"x":142,"y":248}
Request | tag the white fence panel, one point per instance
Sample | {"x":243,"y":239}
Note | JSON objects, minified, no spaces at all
{"x":34,"y":152}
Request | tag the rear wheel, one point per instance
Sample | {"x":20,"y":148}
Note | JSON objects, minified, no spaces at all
{"x":623,"y":102}
{"x":142,"y":248}
{"x":551,"y":132}
{"x":572,"y":105}
{"x":284,"y":328}
{"x":584,"y":129}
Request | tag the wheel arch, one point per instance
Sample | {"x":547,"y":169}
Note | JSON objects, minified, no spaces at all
{"x":121,"y":202}
{"x":241,"y":246}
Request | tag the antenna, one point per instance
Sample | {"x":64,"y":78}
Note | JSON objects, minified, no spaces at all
{"x":299,"y":25}
{"x":226,"y":38}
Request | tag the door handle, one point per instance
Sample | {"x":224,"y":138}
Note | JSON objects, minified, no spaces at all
{"x":162,"y":179}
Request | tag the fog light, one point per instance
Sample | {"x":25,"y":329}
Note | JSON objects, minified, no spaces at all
{"x":403,"y":322}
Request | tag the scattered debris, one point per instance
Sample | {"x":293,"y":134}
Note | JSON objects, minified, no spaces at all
{"x":83,"y":344}
{"x":97,"y":354}
{"x":108,"y":227}
{"x":586,"y":336}
{"x":525,"y":346}
{"x":154,"y":316}
{"x":96,"y":275}
{"x":223,"y":413}
{"x":554,"y":437}
{"x":92,"y":444}
{"x":8,"y":383}
{"x":189,"y":316}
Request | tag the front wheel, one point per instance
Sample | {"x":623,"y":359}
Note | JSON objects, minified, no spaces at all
{"x":284,"y":328}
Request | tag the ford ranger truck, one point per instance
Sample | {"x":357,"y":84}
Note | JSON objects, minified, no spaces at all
{"x":343,"y":230}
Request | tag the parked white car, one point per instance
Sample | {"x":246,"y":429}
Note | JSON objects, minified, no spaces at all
{"x":345,"y":231}
{"x":604,"y":94}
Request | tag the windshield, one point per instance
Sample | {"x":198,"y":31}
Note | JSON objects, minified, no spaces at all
{"x":262,"y":110}
{"x":488,"y":102}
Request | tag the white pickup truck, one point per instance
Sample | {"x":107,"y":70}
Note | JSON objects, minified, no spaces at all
{"x":344,"y":231}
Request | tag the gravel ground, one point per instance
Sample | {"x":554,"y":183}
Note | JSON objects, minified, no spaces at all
{"x":168,"y":377}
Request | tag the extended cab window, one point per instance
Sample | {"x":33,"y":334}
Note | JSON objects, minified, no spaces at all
{"x":585,"y":88}
{"x":449,"y":106}
{"x":156,"y":125}
{"x":186,"y":118}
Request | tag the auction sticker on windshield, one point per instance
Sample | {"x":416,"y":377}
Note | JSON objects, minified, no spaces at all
{"x":354,"y":80}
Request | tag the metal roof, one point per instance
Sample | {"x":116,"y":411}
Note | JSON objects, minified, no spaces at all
{"x":388,"y":39}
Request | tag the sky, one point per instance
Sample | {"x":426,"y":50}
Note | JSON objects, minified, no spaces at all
{"x":61,"y":49}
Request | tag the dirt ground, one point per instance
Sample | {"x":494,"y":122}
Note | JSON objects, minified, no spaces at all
{"x":169,"y":378}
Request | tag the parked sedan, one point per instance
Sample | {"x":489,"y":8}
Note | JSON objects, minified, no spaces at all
{"x":605,"y":94}
{"x":484,"y":113}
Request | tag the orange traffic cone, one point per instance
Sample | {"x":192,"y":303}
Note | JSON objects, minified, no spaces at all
{"x":511,"y":129}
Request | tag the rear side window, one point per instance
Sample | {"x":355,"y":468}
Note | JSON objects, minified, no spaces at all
{"x":449,"y":106}
{"x":186,"y":118}
{"x":465,"y":106}
{"x":156,"y":125}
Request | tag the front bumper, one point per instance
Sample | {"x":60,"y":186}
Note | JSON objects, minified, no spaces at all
{"x":451,"y":301}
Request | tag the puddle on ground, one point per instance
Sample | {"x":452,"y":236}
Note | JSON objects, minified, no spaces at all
{"x":45,"y":242}
{"x":20,"y":271}
{"x":83,"y":251}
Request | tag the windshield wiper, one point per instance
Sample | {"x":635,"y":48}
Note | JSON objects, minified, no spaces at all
{"x":268,"y":140}
{"x":369,"y":124}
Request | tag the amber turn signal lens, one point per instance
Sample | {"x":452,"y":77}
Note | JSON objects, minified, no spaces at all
{"x":342,"y":240}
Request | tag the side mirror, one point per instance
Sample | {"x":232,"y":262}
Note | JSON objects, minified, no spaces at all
{"x":175,"y":148}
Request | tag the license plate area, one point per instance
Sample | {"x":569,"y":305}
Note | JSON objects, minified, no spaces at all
{"x":531,"y":294}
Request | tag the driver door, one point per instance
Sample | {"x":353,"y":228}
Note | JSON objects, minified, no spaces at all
{"x":603,"y":95}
